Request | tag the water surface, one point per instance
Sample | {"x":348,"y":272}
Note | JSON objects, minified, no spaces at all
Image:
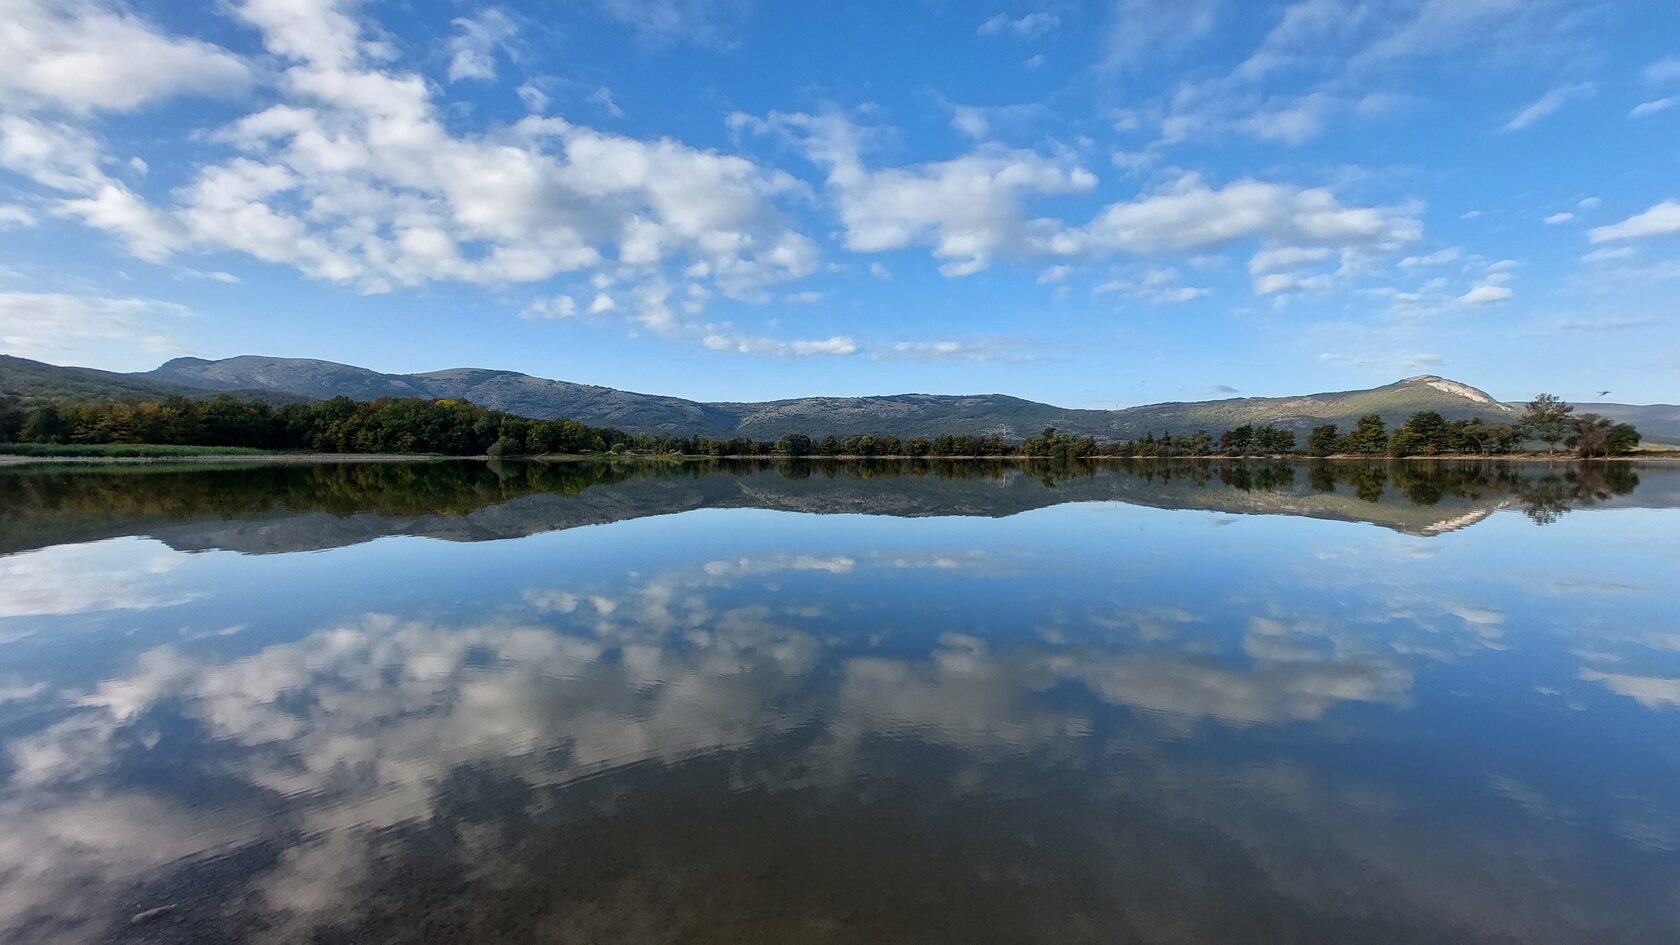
{"x":890,"y":702}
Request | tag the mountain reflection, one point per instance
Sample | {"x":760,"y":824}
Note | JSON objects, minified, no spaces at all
{"x":283,"y":508}
{"x":808,"y":737}
{"x":997,"y":703}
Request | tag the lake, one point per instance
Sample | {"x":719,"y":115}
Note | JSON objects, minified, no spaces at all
{"x":867,"y":702}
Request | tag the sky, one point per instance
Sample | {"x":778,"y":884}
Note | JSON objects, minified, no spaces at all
{"x":1092,"y":204}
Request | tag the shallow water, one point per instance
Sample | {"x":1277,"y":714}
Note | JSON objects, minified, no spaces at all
{"x":883,"y":702}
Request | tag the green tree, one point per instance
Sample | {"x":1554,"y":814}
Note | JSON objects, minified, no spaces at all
{"x":794,"y":444}
{"x":1322,"y":440}
{"x":1547,"y":419}
{"x":1369,"y":436}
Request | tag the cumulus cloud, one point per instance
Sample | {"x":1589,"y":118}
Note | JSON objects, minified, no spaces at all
{"x":1661,"y":220}
{"x":968,"y":209}
{"x":86,"y":55}
{"x":1190,"y":215}
{"x":353,"y":176}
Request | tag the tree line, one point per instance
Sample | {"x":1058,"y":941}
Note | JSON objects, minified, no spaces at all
{"x":461,"y":428}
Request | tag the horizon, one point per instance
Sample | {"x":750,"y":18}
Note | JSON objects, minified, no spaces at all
{"x":900,"y":393}
{"x":1090,"y":205}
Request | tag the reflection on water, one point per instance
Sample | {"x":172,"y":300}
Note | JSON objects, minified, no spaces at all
{"x":294,"y":508}
{"x":990,"y":703}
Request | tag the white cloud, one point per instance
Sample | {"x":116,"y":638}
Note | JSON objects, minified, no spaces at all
{"x":1652,"y":107}
{"x":1562,"y":216}
{"x":1190,"y":215}
{"x":602,"y":98}
{"x":1011,"y":350}
{"x":114,"y":208}
{"x":1296,"y":123}
{"x":1486,"y":293}
{"x":661,"y":23}
{"x":1661,"y":220}
{"x":1438,"y":258}
{"x":1546,"y":104}
{"x":1142,"y":31}
{"x":473,"y":47}
{"x":749,"y":344}
{"x":1160,"y":286}
{"x":86,"y":55}
{"x":354,"y":177}
{"x":534,"y":97}
{"x":559,"y":306}
{"x":1282,"y":282}
{"x":602,"y":304}
{"x":12,"y":215}
{"x":967,"y":209}
{"x":1284,"y":257}
{"x":1652,"y":692}
{"x":1609,"y":254}
{"x":1054,"y":274}
{"x":1027,"y":25}
{"x":70,"y":329}
{"x":1663,"y":70}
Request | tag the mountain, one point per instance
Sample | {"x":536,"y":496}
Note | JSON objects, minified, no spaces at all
{"x":281,"y":379}
{"x":896,"y":414}
{"x":1658,"y":423}
{"x":35,"y":380}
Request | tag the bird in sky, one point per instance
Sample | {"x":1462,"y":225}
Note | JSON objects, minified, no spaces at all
{"x":1602,"y":393}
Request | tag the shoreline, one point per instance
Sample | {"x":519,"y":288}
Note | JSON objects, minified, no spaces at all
{"x":9,"y":460}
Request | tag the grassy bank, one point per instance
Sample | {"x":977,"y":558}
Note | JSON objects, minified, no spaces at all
{"x":125,"y":450}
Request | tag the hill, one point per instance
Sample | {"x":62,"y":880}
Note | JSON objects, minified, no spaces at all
{"x":897,"y":414}
{"x":894,"y":414}
{"x":29,"y":380}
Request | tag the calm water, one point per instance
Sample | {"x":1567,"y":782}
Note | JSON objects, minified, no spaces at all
{"x":870,"y":703}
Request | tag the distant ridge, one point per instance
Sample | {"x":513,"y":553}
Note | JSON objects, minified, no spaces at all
{"x":896,"y":414}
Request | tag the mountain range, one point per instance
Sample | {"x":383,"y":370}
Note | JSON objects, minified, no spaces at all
{"x":284,"y":379}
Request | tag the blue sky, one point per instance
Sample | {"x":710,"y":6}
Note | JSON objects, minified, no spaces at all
{"x":1092,"y":204}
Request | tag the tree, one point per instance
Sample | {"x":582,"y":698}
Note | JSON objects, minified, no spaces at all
{"x":1369,"y":436}
{"x":11,"y":420}
{"x":794,"y":444}
{"x":45,"y":424}
{"x":1595,"y":436}
{"x":1242,"y":440}
{"x":1548,"y":420}
{"x":1322,"y":441}
{"x":1624,"y":439}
